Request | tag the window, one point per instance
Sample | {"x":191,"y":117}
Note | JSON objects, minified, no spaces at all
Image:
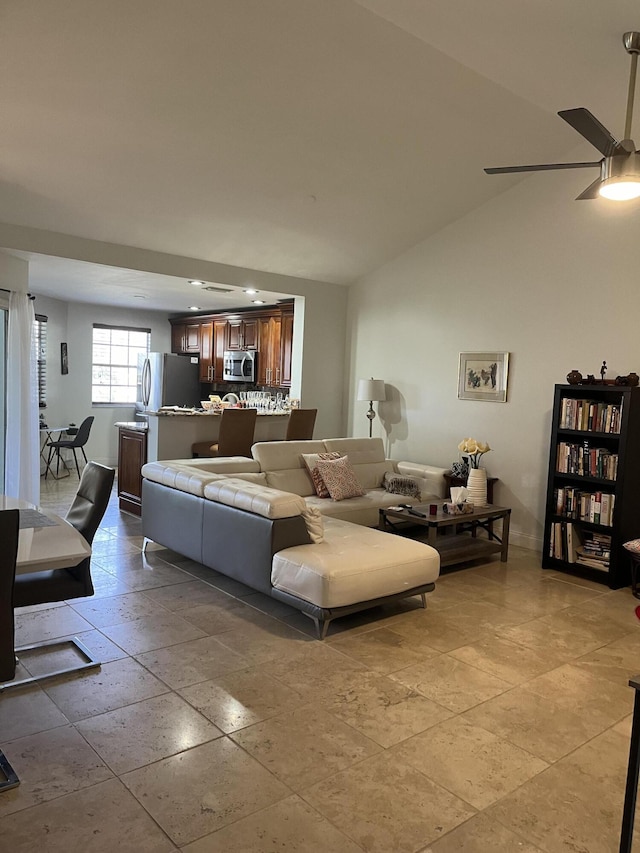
{"x":115,"y":363}
{"x":40,"y":335}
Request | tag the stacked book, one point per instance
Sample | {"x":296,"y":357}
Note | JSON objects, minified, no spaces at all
{"x":590,"y":415}
{"x":595,"y":507}
{"x":585,"y":548}
{"x":586,"y":461}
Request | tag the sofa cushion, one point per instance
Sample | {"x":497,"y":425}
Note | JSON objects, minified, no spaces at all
{"x":340,"y":478}
{"x":397,"y":484}
{"x":352,"y":565}
{"x":221,"y":464}
{"x":179,"y":475}
{"x":311,"y":461}
{"x":367,"y":457}
{"x":283,"y":465}
{"x":315,"y":523}
{"x":363,"y":510}
{"x":252,"y":497}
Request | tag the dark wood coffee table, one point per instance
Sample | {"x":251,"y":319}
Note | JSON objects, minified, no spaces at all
{"x":462,"y":542}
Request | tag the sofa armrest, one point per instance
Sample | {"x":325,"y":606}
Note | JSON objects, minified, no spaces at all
{"x":430,"y":478}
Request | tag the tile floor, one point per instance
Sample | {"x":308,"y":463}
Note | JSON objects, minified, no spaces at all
{"x":496,"y":720}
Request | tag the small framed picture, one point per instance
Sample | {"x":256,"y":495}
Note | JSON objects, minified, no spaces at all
{"x":483,"y":376}
{"x":64,"y":359}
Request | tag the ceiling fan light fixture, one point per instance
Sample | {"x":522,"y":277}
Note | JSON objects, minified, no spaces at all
{"x":621,"y":189}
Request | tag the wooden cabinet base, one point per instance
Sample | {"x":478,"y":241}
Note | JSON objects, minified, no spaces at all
{"x":132,"y":455}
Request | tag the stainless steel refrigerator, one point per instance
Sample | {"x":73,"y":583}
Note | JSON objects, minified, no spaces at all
{"x":166,"y":380}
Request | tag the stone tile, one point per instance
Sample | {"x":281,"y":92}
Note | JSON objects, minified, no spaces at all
{"x":617,"y":661}
{"x":185,"y":596}
{"x":383,"y":649}
{"x":451,"y":683}
{"x":114,"y":685}
{"x":104,"y":585}
{"x":153,"y":632}
{"x":315,"y":671}
{"x":548,"y":596}
{"x":203,"y":789}
{"x":108,"y":547}
{"x":48,"y":624}
{"x":192,"y":662}
{"x":481,"y":835}
{"x":117,"y":609}
{"x":385,"y":805}
{"x":507,"y":660}
{"x":26,"y":711}
{"x":575,"y":688}
{"x":290,"y":825}
{"x":140,"y":572}
{"x":146,"y":731}
{"x":469,"y":761}
{"x":213,"y":618}
{"x":263,"y":638}
{"x":102,"y":818}
{"x":618,"y":606}
{"x":49,"y":765}
{"x":555,"y":635}
{"x":384,"y":710}
{"x":575,"y":805}
{"x":270,"y":606}
{"x":240,"y":699}
{"x":46,"y":659}
{"x":304,"y":746}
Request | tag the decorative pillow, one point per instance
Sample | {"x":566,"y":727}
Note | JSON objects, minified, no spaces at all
{"x":315,"y":524}
{"x":311,"y":461}
{"x":340,"y":478}
{"x":396,"y":484}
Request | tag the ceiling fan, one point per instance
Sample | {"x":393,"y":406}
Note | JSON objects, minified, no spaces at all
{"x":620,"y":166}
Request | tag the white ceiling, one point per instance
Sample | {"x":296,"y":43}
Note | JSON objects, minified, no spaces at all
{"x":312,"y":138}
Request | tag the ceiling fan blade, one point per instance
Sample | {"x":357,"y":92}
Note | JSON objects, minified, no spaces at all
{"x":543,"y":167}
{"x":592,"y":191}
{"x":593,"y":131}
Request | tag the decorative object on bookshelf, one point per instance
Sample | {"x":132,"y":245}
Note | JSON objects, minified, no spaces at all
{"x":574,"y":377}
{"x":483,"y":376}
{"x":477,"y":487}
{"x":594,"y":468}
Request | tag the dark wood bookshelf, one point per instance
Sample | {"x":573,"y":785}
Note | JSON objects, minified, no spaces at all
{"x":626,"y":514}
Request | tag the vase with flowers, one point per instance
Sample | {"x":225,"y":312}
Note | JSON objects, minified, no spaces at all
{"x":477,"y":483}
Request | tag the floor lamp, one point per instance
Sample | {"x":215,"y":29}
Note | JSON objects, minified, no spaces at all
{"x":371,"y":390}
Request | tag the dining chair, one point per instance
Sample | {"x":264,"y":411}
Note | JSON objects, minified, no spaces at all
{"x":73,"y":444}
{"x":85,"y":514}
{"x":235,"y":436}
{"x":301,"y":424}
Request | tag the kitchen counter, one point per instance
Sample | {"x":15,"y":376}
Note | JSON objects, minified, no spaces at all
{"x":171,"y":434}
{"x":139,"y":425}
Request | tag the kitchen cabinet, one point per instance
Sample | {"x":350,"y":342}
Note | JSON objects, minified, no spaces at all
{"x":132,"y":455}
{"x":242,"y":334}
{"x":219,"y":344}
{"x":269,"y":367}
{"x":206,"y":352}
{"x":286,"y":348}
{"x":185,"y":338}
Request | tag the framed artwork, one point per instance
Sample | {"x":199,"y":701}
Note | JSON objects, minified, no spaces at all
{"x":64,"y":359}
{"x":483,"y":376}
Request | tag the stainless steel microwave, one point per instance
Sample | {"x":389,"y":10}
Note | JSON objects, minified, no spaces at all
{"x":239,"y":366}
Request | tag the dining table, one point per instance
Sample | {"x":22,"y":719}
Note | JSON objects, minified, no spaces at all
{"x":45,"y":541}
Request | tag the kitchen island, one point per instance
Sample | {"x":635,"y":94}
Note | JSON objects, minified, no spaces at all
{"x":171,"y":434}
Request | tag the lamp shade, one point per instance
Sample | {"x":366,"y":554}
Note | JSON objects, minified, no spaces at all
{"x":371,"y":389}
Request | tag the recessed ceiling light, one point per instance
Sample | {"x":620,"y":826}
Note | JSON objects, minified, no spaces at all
{"x":251,"y":291}
{"x":138,"y":296}
{"x":194,"y":307}
{"x":196,"y":283}
{"x":258,"y":301}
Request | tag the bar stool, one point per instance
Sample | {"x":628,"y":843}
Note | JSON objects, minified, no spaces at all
{"x":235,"y":436}
{"x":633,"y":547}
{"x":300,"y":425}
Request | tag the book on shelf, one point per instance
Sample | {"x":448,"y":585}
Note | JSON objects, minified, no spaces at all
{"x":590,"y":415}
{"x":581,"y":547}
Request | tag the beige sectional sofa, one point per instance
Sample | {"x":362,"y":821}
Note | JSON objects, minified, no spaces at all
{"x":260,"y":521}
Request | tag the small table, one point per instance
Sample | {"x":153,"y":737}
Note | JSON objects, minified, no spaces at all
{"x":450,"y":480}
{"x":464,"y":544}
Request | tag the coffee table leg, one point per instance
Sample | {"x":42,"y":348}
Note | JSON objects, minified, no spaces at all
{"x":432,"y":535}
{"x":504,"y":554}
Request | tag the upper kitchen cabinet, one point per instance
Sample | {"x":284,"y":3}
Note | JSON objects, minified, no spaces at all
{"x":185,"y":338}
{"x":242,"y":333}
{"x":207,"y":365}
{"x":269,"y":368}
{"x":286,"y":347}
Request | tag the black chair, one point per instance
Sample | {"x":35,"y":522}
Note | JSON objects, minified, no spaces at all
{"x":79,"y":441}
{"x":85,"y":514}
{"x":9,"y":521}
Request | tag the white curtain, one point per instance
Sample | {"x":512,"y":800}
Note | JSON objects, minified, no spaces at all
{"x":22,"y":455}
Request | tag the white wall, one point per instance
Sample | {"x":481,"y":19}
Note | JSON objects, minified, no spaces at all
{"x":69,"y":396}
{"x":551,"y":280}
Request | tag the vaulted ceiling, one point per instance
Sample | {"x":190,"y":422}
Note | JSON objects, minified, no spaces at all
{"x":312,"y":138}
